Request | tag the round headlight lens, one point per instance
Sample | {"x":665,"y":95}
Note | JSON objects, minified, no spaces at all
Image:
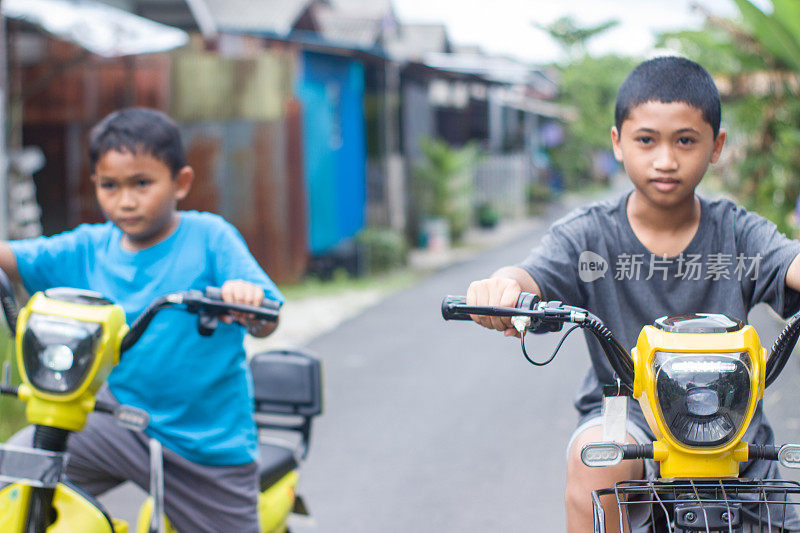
{"x":57,"y":357}
{"x":703,"y":397}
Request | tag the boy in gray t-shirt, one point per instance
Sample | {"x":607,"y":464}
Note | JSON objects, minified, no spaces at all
{"x":656,"y":251}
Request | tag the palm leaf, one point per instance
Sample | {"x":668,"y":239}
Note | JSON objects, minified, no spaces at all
{"x":788,"y":12}
{"x":773,"y":35}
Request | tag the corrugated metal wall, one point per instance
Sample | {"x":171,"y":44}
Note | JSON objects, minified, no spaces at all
{"x":241,"y":126}
{"x":242,"y":129}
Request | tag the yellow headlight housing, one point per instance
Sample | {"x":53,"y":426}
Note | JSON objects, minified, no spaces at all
{"x":698,"y":380}
{"x":67,"y":343}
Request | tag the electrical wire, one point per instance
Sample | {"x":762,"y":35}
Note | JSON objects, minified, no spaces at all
{"x":543,"y":363}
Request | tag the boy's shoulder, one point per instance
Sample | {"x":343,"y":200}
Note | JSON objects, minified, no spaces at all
{"x":86,"y":232}
{"x":724,"y":213}
{"x":594,"y":217}
{"x":602,"y":215}
{"x":201,"y":228}
{"x":203,"y":220}
{"x":722,"y":206}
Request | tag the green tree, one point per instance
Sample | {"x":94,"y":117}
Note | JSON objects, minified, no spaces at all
{"x":756,"y":62}
{"x":589,"y":86}
{"x":573,"y":38}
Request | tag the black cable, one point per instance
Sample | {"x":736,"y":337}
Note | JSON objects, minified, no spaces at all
{"x":536,"y":363}
{"x":621,"y":363}
{"x":782,"y":349}
{"x":140,"y":324}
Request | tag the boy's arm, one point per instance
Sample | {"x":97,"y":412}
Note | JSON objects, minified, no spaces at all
{"x":793,"y":274}
{"x":8,"y":261}
{"x":501,"y":289}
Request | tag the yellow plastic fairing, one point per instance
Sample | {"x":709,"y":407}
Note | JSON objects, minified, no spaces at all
{"x":69,"y":410}
{"x":276,"y":503}
{"x":74,"y":512}
{"x":678,"y":459}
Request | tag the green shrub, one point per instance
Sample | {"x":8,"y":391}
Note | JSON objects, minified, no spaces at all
{"x":538,"y":194}
{"x":444,"y":183}
{"x":488,"y":215}
{"x":383,"y":249}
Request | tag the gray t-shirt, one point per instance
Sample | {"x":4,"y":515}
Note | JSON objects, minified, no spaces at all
{"x":591,"y":258}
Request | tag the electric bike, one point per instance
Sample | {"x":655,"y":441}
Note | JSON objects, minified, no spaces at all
{"x":698,"y":378}
{"x":67,"y":343}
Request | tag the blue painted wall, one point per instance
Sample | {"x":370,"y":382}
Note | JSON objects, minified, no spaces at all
{"x":331,"y":90}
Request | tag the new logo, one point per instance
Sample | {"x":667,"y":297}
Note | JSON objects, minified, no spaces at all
{"x":591,"y":266}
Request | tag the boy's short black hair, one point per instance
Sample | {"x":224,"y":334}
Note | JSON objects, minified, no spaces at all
{"x":667,"y":80}
{"x":138,"y":130}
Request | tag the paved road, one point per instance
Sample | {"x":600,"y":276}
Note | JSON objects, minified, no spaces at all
{"x":434,"y":426}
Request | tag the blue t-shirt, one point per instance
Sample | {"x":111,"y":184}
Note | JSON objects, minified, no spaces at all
{"x":197,"y":390}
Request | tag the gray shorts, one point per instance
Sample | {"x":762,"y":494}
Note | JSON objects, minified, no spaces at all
{"x":197,"y":498}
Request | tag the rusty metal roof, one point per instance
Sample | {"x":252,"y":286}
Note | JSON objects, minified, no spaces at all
{"x":263,"y":16}
{"x":99,"y":28}
{"x":355,"y":29}
{"x":238,"y":16}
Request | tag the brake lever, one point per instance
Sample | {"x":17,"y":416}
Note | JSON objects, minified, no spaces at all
{"x":207,"y":324}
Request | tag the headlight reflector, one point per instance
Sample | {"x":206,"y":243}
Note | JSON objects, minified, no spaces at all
{"x":703,"y":397}
{"x":57,"y":352}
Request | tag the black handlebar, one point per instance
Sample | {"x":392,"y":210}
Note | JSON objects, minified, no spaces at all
{"x":549,"y":316}
{"x":7,"y":302}
{"x":456,"y":308}
{"x":206,"y":305}
{"x":215,"y":293}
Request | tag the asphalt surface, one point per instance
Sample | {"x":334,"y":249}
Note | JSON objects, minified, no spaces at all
{"x":434,"y":426}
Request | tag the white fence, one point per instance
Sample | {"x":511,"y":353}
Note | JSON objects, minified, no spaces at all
{"x":503,"y":180}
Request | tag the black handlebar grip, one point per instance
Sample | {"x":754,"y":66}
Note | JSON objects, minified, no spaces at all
{"x":763,"y":451}
{"x":527,"y":300}
{"x":637,"y":451}
{"x":447,"y":308}
{"x":215,"y":293}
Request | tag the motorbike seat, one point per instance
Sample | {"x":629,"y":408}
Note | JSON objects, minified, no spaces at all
{"x":275,"y":462}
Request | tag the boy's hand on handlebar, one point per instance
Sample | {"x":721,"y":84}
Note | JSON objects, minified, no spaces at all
{"x":237,"y":291}
{"x":243,"y":292}
{"x":502,"y":292}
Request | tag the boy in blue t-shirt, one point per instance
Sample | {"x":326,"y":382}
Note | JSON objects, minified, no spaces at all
{"x":197,"y":390}
{"x":665,"y":249}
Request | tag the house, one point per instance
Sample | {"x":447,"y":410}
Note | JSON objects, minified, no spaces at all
{"x":232,"y":95}
{"x":302,"y":118}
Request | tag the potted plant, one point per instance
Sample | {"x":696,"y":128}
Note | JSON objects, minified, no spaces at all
{"x":444,"y":186}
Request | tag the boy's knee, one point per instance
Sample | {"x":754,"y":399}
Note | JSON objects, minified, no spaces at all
{"x":582,"y":479}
